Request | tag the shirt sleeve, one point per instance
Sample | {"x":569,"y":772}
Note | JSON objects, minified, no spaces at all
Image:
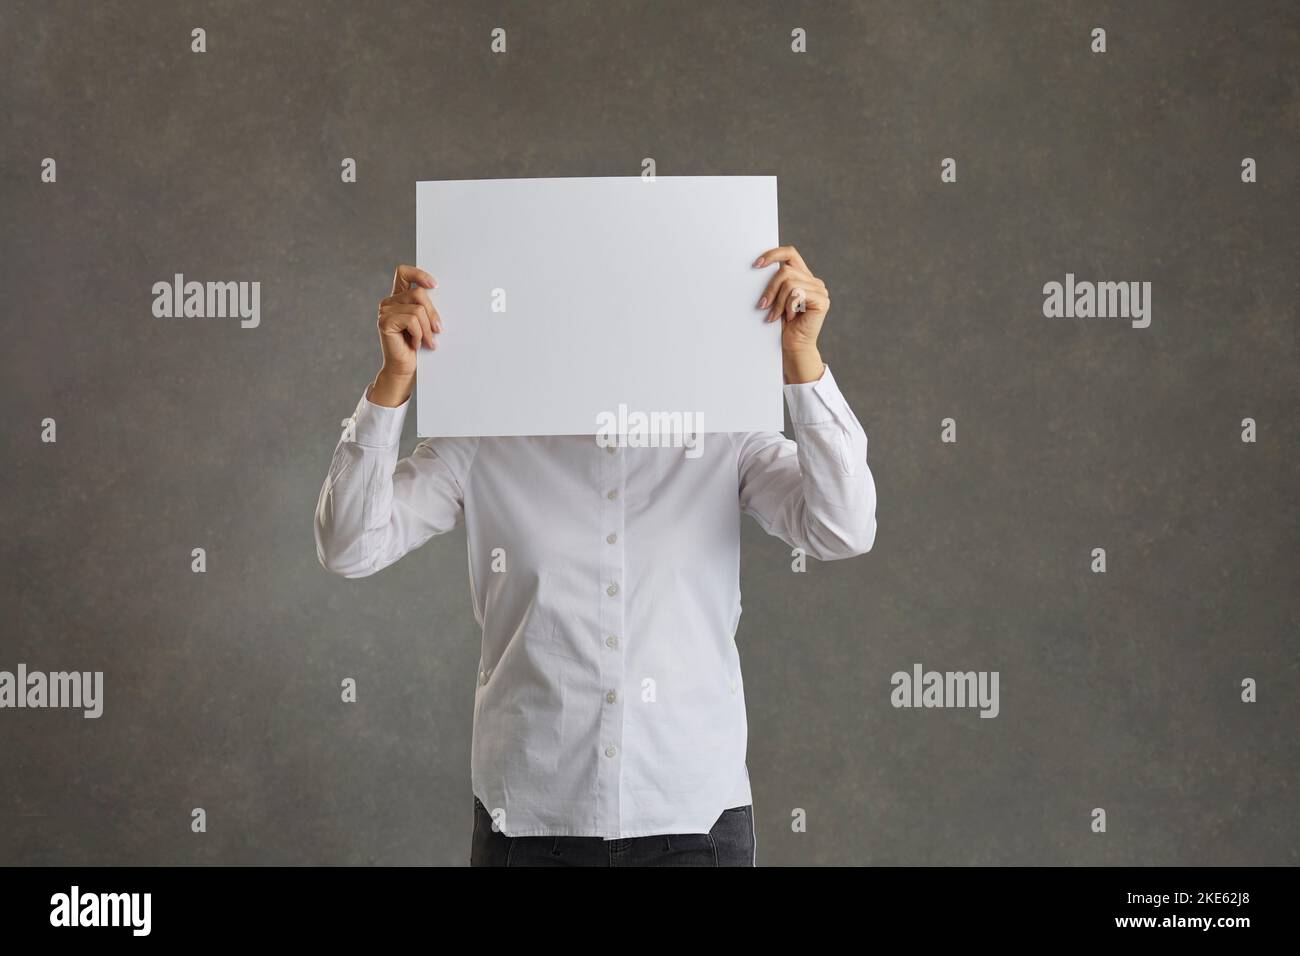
{"x":374,"y":508}
{"x":815,"y":492}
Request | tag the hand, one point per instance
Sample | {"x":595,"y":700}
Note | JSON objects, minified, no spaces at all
{"x":800,"y":301}
{"x":407,"y":320}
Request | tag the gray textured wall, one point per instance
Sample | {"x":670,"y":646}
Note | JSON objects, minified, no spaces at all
{"x":1118,"y":690}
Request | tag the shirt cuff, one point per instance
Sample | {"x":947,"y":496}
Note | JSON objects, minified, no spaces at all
{"x":378,"y":426}
{"x":815,"y":403}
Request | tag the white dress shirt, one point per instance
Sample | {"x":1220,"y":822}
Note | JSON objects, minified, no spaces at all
{"x":609,"y":700}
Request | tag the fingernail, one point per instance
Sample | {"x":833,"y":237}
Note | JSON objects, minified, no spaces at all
{"x":762,"y":303}
{"x":758,"y":262}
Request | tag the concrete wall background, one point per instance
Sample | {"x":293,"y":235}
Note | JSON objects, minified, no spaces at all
{"x":1119,"y":691}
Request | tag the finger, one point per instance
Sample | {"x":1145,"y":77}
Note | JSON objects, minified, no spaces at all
{"x":397,"y":325}
{"x":793,"y":294}
{"x":787,"y":282}
{"x":410,"y":318}
{"x":782,"y":254}
{"x":399,"y":309}
{"x":424,"y":316}
{"x":781,"y":275}
{"x":407,"y":276}
{"x":417,"y":329}
{"x":418,"y":296}
{"x":802,"y":301}
{"x":795,"y":302}
{"x":426,"y":326}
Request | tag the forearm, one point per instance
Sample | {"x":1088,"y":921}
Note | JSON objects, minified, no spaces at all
{"x":802,"y":366}
{"x":350,"y":534}
{"x":391,"y":389}
{"x":835,"y":508}
{"x":373,"y":507}
{"x":816,"y":492}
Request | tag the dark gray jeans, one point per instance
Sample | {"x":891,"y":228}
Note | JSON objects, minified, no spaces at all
{"x":729,"y":843}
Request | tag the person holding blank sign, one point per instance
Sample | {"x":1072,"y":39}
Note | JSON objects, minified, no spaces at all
{"x":609,"y":713}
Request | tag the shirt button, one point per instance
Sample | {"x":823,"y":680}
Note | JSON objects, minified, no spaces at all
{"x":611,"y":538}
{"x":482,"y":677}
{"x":611,"y":697}
{"x":611,"y":641}
{"x":611,"y":750}
{"x":612,"y":590}
{"x":610,"y":449}
{"x":611,"y":494}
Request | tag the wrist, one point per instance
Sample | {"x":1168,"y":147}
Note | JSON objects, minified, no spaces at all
{"x":803,"y":366}
{"x":391,"y":388}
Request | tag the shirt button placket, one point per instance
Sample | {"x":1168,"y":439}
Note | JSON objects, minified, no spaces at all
{"x":613,"y":637}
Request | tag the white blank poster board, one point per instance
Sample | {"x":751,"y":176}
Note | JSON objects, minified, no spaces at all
{"x":615,"y":291}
